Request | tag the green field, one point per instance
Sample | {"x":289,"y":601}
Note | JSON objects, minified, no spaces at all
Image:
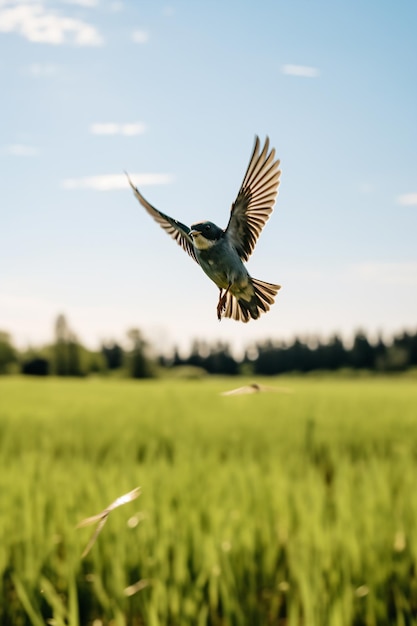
{"x":270,"y":509}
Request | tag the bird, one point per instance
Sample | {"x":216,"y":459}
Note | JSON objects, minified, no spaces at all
{"x":101,"y":518}
{"x":254,"y":388}
{"x":221,"y":253}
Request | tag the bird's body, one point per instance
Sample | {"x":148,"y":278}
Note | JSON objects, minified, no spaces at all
{"x":211,"y":259}
{"x":233,"y":278}
{"x":221,"y":253}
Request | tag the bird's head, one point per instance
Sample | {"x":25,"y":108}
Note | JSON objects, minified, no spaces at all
{"x":205,"y":234}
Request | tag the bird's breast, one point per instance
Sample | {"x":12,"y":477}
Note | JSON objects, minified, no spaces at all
{"x":222,"y":267}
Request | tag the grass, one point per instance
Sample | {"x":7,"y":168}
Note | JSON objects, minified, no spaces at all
{"x":270,"y":509}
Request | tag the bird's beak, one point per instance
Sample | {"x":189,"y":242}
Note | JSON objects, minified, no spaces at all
{"x":194,"y":233}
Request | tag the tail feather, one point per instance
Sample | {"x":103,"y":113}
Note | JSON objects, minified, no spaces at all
{"x":243,"y":310}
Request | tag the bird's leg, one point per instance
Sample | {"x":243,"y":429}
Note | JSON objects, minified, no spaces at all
{"x":221,"y":305}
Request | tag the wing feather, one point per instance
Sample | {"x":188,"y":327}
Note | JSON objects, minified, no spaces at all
{"x":255,"y":200}
{"x":178,"y":231}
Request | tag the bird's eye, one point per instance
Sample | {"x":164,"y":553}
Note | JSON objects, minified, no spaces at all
{"x":207,"y":227}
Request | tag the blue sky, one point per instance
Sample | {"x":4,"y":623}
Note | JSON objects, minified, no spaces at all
{"x":174,"y":93}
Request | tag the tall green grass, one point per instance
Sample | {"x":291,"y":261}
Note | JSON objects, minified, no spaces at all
{"x":269,"y":509}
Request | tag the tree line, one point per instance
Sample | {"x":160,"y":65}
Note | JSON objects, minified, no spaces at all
{"x":66,"y":356}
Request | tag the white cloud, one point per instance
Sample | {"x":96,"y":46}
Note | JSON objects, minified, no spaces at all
{"x":19,"y":149}
{"x":39,"y":25}
{"x":407,"y":199}
{"x":387,"y":272}
{"x":140,"y":36}
{"x":111,"y":128}
{"x":89,"y":4}
{"x":305,"y":71}
{"x":107,"y":182}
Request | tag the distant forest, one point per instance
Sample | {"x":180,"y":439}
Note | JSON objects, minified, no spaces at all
{"x":66,"y":356}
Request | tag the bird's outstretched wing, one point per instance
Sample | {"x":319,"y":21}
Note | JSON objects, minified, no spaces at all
{"x":179,"y":232}
{"x":255,"y":200}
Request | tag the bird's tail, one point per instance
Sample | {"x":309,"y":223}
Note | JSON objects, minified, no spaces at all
{"x":243,"y":310}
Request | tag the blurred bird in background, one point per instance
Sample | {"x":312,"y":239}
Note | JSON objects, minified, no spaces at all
{"x":222,"y":253}
{"x":255,"y":388}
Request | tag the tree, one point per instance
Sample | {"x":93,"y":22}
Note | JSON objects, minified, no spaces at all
{"x":412,"y":346}
{"x":36,"y":366}
{"x":334,"y":354}
{"x":66,"y":350}
{"x":113,"y":355}
{"x":138,"y":364}
{"x":220,"y":360}
{"x":362,"y":354}
{"x":8,"y":354}
{"x":270,"y":360}
{"x":380,"y":354}
{"x":60,"y":356}
{"x":199,"y":352}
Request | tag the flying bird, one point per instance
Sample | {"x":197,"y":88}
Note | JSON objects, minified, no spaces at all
{"x":254,"y":388}
{"x":101,"y":518}
{"x":221,"y":253}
